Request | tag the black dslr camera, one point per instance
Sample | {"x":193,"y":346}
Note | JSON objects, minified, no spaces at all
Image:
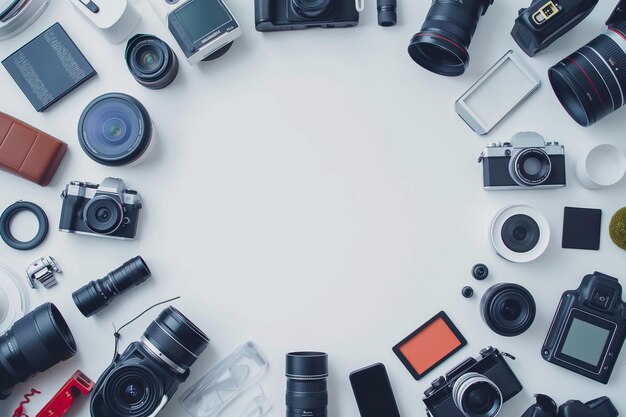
{"x":546,"y":407}
{"x":475,"y":387}
{"x":108,"y":209}
{"x":275,"y":15}
{"x":538,"y":26}
{"x":141,"y":381}
{"x":589,"y":328}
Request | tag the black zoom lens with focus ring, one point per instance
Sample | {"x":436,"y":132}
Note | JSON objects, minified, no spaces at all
{"x":34,"y":344}
{"x":98,"y":294}
{"x":508,"y":309}
{"x":591,"y":83}
{"x":307,"y":390}
{"x":441,"y":45}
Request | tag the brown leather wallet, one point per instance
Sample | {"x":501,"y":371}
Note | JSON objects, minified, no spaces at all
{"x":28,"y":152}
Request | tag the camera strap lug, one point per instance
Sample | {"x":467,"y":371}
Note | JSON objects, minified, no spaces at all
{"x":481,"y":157}
{"x":508,"y":355}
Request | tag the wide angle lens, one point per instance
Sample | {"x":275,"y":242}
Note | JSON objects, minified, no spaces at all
{"x":34,"y":344}
{"x":441,"y":45}
{"x":591,"y":83}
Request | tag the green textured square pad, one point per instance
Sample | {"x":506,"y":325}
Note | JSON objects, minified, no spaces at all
{"x":581,"y":228}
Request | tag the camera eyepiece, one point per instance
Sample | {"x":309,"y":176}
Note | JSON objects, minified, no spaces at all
{"x":34,"y":344}
{"x":441,"y":45}
{"x":151,"y":61}
{"x":98,"y":294}
{"x":307,"y":393}
{"x":508,"y":309}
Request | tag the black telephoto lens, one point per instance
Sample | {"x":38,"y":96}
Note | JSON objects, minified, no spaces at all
{"x":307,"y":394}
{"x":591,"y":83}
{"x":508,"y":309}
{"x":34,"y":344}
{"x":151,"y":61}
{"x":441,"y":45}
{"x":98,"y":294}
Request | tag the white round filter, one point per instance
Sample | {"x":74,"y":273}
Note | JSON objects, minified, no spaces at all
{"x":519,"y":233}
{"x":13,"y":298}
{"x":600,"y":167}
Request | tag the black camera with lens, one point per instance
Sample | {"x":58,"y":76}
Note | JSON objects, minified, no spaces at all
{"x":546,"y":407}
{"x":538,"y":26}
{"x":589,"y":328}
{"x":275,"y":15}
{"x":476,"y":387}
{"x":141,"y":381}
{"x":107,"y":209}
{"x":528,"y":161}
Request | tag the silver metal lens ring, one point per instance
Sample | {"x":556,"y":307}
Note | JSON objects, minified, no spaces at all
{"x":520,"y":171}
{"x":157,"y":354}
{"x":475,"y":395}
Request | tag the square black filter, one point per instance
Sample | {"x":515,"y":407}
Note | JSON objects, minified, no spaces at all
{"x":581,"y":228}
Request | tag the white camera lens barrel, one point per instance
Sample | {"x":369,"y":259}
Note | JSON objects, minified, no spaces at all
{"x":601,"y":166}
{"x":475,"y":395}
{"x":519,"y":233}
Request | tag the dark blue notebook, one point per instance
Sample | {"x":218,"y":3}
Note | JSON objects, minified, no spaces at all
{"x":49,"y":67}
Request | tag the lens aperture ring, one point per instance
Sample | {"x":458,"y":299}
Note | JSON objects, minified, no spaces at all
{"x":606,"y":56}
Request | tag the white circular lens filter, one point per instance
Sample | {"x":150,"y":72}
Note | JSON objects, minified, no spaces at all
{"x":495,"y":233}
{"x":13,"y":298}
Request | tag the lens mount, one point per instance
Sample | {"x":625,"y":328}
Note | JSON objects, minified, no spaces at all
{"x":477,"y":396}
{"x":530,"y":167}
{"x":508,"y":309}
{"x":103,"y":214}
{"x":439,"y":54}
{"x":132,"y":391}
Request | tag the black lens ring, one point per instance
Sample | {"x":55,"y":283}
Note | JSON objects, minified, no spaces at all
{"x":567,"y":92}
{"x":521,"y":244}
{"x":309,"y":12}
{"x":521,"y":176}
{"x":101,"y":201}
{"x":492,"y":301}
{"x":5,"y":225}
{"x":144,"y":141}
{"x":121,"y":376}
{"x":161,"y":77}
{"x":219,"y":53}
{"x":494,"y":403}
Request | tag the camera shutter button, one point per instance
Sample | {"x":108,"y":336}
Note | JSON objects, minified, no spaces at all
{"x":439,"y":382}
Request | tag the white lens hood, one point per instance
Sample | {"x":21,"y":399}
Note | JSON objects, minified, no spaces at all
{"x":16,"y":22}
{"x":495,"y":233}
{"x":13,"y":298}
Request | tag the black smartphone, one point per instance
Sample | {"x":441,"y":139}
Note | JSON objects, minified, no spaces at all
{"x":373,"y":393}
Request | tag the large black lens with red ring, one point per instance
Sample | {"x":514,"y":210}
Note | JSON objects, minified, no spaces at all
{"x":441,"y":45}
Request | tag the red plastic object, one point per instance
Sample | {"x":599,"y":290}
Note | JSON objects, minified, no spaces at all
{"x":78,"y":384}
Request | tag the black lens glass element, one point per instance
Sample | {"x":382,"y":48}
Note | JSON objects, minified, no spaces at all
{"x":508,"y":309}
{"x":531,"y":167}
{"x":310,"y":9}
{"x":151,"y":61}
{"x":520,"y":233}
{"x":103,"y":214}
{"x":441,"y":45}
{"x":35,"y":343}
{"x":133,"y":392}
{"x":481,"y":400}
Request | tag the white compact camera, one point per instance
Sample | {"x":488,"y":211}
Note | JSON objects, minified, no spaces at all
{"x":204,"y":29}
{"x":17,"y":15}
{"x":116,"y":19}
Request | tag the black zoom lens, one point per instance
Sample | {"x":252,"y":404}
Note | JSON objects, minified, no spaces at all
{"x":441,"y":45}
{"x":151,"y":61}
{"x":508,"y":309}
{"x":591,"y":83}
{"x":98,"y":294}
{"x":307,"y":394}
{"x":34,"y":344}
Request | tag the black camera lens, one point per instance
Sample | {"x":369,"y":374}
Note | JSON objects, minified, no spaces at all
{"x":133,"y":391}
{"x":591,"y":83}
{"x":475,"y":395}
{"x":441,"y":45}
{"x":98,"y":294}
{"x":508,"y":309}
{"x":34,"y":344}
{"x":307,"y":390}
{"x":175,"y":340}
{"x":310,"y":9}
{"x":520,"y":233}
{"x":115,"y":129}
{"x":151,"y":61}
{"x":530,"y":167}
{"x":480,"y":272}
{"x":103,"y":214}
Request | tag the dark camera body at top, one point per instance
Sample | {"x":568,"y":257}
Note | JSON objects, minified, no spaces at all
{"x":544,"y":21}
{"x":480,"y":386}
{"x":589,"y":328}
{"x":107,"y":209}
{"x":276,"y":15}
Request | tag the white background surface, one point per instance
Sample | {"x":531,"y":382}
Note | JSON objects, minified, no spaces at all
{"x":315,"y":190}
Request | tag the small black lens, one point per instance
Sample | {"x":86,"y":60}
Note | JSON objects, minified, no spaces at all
{"x":520,"y":233}
{"x":133,"y":391}
{"x":591,"y":83}
{"x":508,"y":309}
{"x":176,"y":337}
{"x":481,"y":400}
{"x":151,"y":61}
{"x":441,"y":45}
{"x":35,"y":343}
{"x":307,"y":391}
{"x":98,"y":294}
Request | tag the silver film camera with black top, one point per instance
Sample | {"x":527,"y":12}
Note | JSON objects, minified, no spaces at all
{"x":528,"y":161}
